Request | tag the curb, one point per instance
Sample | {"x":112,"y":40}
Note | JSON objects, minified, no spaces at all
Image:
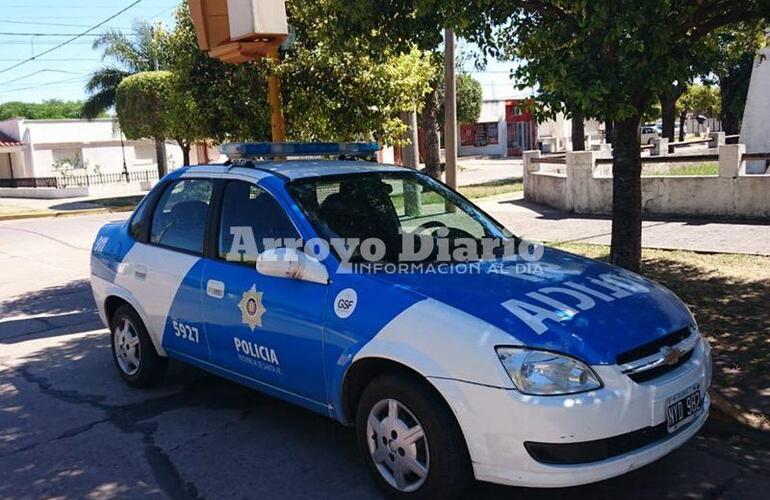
{"x":73,"y":213}
{"x":745,"y":418}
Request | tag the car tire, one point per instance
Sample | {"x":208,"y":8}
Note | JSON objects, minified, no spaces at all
{"x":133,"y":353}
{"x":441,"y":453}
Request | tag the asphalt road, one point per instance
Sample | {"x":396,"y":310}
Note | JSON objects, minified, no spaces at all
{"x":69,"y":427}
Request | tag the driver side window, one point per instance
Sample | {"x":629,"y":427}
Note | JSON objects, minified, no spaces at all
{"x":251,"y":218}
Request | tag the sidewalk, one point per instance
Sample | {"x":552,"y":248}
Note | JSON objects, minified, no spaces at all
{"x":541,"y":223}
{"x":21,"y":208}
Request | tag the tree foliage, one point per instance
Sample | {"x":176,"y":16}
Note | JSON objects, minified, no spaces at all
{"x":52,"y":109}
{"x":470,"y":99}
{"x":700,"y":100}
{"x":154,"y":104}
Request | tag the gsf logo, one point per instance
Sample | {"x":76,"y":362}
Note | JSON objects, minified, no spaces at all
{"x":345,"y":303}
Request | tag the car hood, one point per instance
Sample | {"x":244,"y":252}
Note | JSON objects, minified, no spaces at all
{"x":562,"y":302}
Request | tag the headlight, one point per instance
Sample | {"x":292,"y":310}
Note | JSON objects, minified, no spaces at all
{"x":541,"y":373}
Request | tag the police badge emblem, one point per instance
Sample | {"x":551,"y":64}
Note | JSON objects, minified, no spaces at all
{"x":251,"y":308}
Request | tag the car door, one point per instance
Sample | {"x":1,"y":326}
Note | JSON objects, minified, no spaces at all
{"x":265,"y":329}
{"x":163,"y":270}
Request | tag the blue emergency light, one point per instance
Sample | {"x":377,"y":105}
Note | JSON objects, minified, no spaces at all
{"x":236,"y":150}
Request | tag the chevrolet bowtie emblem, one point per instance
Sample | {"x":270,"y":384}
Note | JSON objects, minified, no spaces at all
{"x":671,"y":355}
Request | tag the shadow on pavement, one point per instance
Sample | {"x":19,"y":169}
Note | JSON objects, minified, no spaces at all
{"x":53,"y":311}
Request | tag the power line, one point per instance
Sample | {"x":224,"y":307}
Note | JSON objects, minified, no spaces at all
{"x":49,"y":84}
{"x":47,"y":70}
{"x":53,"y":59}
{"x":99,"y":25}
{"x":62,"y":25}
{"x":11,"y":33}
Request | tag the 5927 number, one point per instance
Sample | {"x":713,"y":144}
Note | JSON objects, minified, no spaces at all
{"x":185,"y":331}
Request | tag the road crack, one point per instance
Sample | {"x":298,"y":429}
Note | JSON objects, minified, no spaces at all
{"x":130,"y":419}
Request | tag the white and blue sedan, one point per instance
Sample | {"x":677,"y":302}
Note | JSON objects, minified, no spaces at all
{"x":549,"y":371}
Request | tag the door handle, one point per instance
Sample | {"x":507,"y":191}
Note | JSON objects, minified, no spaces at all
{"x":215,"y":289}
{"x":140,"y":272}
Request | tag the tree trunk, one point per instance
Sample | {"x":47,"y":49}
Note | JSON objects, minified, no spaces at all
{"x":160,"y":155}
{"x":185,"y":147}
{"x":731,"y":124}
{"x":682,"y":118}
{"x":627,"y":195}
{"x":429,"y":119}
{"x":609,"y":131}
{"x":578,"y":132}
{"x":668,"y":111}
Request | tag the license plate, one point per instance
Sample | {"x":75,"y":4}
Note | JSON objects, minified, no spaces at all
{"x":683,"y":407}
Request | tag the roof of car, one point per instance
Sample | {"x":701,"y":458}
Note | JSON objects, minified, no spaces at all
{"x":304,"y":169}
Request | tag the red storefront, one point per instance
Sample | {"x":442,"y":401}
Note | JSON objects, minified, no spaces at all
{"x":522,"y":127}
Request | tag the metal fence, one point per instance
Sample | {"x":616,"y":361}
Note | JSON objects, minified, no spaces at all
{"x":65,"y":181}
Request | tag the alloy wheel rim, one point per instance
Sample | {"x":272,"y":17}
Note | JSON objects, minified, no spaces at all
{"x":398,"y":445}
{"x":127,"y":348}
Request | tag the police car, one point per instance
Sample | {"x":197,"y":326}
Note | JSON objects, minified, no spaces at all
{"x":545,"y":372}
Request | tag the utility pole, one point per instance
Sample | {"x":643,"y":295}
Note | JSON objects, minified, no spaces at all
{"x":450,"y":108}
{"x":160,"y":144}
{"x":411,"y":152}
{"x":277,"y":124}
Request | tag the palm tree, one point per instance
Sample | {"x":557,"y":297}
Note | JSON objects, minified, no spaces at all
{"x":124,"y":55}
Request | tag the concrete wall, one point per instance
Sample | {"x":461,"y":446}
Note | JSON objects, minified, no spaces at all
{"x":582,"y":189}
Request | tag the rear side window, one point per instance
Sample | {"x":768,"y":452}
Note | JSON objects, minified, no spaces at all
{"x":139,"y":220}
{"x":250,"y":216}
{"x":180,"y":217}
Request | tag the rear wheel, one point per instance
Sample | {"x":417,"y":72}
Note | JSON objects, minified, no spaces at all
{"x":132,"y":351}
{"x":410,"y":441}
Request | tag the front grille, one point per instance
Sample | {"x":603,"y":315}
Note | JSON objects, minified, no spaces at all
{"x":602,"y":449}
{"x":647,"y":362}
{"x":648,"y":375}
{"x":651,"y":348}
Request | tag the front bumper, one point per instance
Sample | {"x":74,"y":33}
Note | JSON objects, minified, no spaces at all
{"x":498,"y":422}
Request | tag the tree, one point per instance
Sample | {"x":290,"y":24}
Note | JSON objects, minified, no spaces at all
{"x":152,"y":104}
{"x":732,"y":54}
{"x":614,"y":58}
{"x":699,"y":100}
{"x":470,"y":99}
{"x":124,"y":55}
{"x":469,"y":102}
{"x":52,"y":109}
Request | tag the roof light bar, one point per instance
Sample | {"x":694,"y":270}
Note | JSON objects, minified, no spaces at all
{"x":238,"y":150}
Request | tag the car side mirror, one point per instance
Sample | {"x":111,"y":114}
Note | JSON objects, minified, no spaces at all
{"x":292,"y":264}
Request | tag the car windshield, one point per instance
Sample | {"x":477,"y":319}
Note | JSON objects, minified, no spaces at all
{"x":390,"y":207}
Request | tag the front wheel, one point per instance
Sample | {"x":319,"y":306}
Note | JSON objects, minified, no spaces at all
{"x":132,"y":351}
{"x":410,"y":440}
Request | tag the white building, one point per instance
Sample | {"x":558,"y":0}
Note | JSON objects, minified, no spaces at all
{"x":45,"y":148}
{"x":506,"y":128}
